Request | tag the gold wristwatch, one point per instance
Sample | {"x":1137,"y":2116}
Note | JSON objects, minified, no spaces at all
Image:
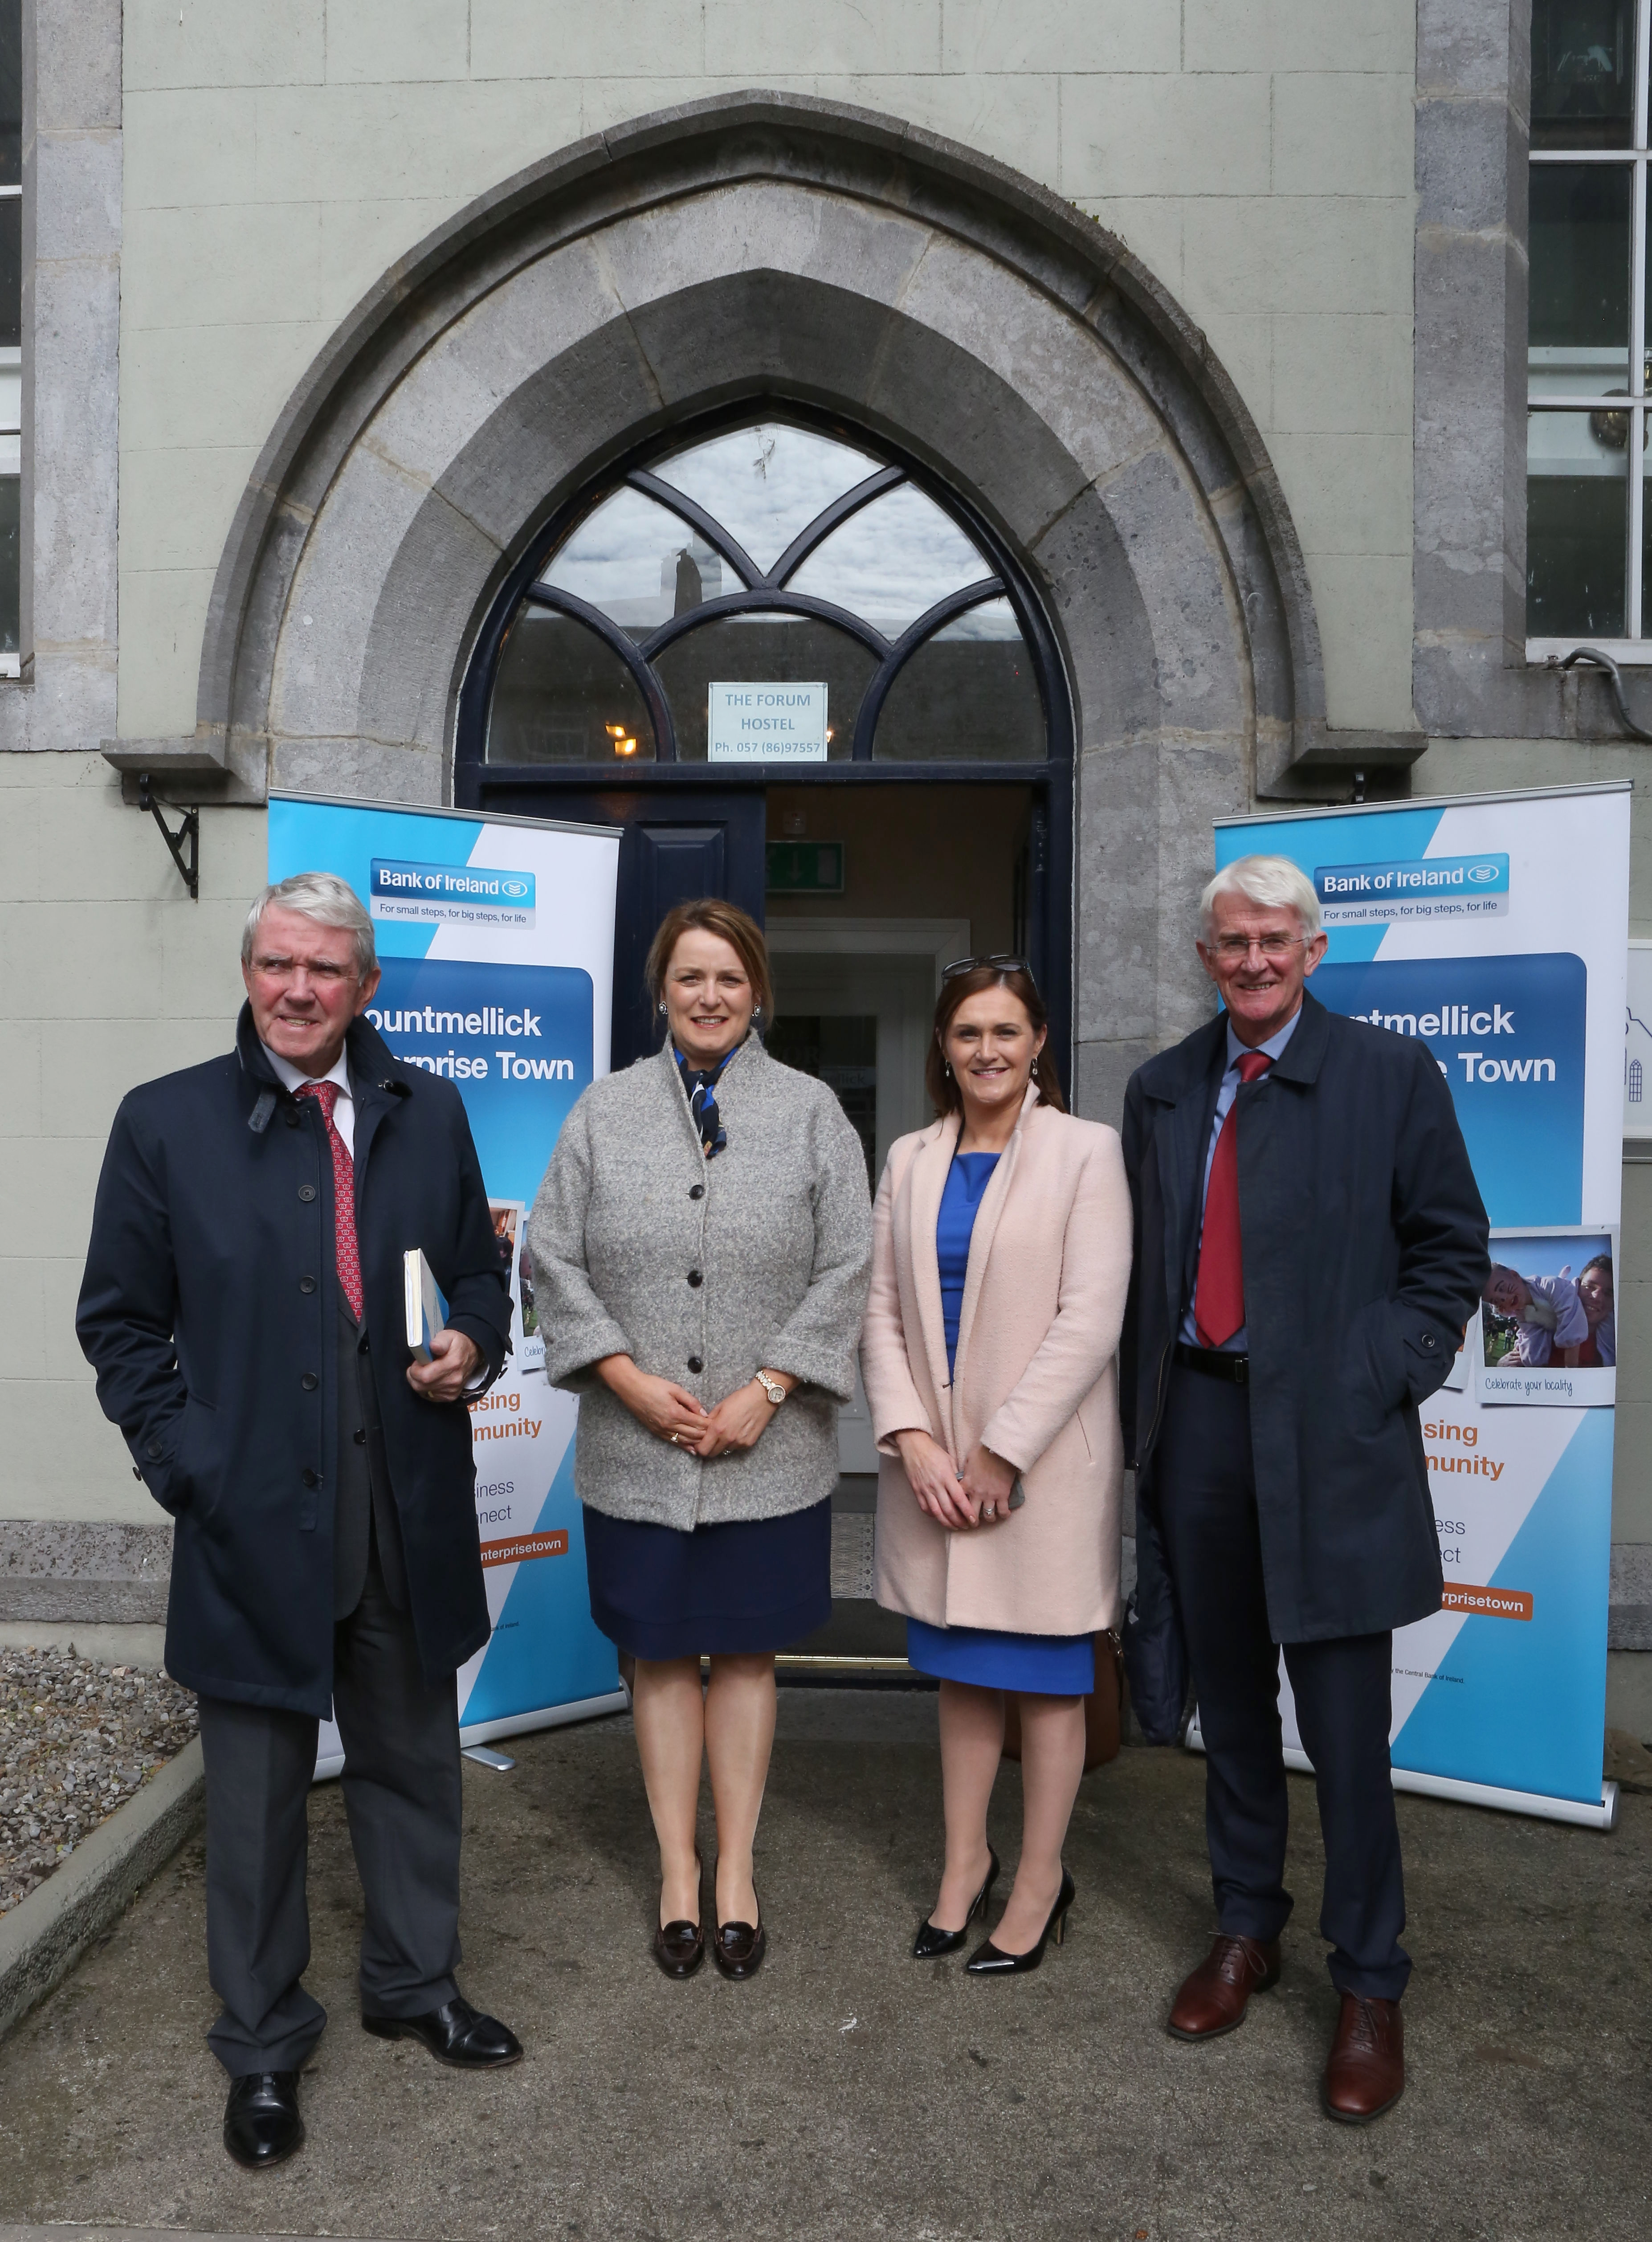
{"x":772,"y":1387}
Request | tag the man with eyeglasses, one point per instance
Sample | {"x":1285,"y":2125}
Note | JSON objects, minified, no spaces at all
{"x":243,"y":1308}
{"x":1310,"y":1244}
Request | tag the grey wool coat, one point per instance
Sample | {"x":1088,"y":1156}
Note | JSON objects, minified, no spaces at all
{"x":704,"y":1272}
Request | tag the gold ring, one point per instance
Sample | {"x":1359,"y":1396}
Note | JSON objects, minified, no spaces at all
{"x":675,"y":1438}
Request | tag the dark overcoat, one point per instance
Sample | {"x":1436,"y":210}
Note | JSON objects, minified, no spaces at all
{"x":1364,"y":1254}
{"x":210,"y":1311}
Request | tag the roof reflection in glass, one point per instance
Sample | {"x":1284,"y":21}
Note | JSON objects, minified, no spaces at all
{"x":639,"y":563}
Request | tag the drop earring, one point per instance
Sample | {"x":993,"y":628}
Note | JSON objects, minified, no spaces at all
{"x":662,"y":1008}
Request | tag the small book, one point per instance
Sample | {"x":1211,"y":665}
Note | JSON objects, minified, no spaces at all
{"x":427,"y":1310}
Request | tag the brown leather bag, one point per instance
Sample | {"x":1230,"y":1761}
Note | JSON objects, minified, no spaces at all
{"x":1104,"y":1708}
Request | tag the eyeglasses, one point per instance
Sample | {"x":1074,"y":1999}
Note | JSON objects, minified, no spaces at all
{"x":1003,"y":962}
{"x":1235,"y":948}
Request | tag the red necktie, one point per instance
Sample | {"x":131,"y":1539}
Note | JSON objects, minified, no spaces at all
{"x":326,"y":1095}
{"x":1218,"y":1297}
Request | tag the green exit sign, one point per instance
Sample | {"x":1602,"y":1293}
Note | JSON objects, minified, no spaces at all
{"x":805,"y":868}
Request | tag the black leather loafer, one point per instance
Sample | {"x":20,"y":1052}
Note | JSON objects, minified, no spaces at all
{"x":678,"y":1948}
{"x":261,"y":2121}
{"x":739,"y":1947}
{"x":454,"y":2033}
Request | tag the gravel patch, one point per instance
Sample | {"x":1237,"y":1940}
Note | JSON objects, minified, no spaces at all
{"x":77,"y":1739}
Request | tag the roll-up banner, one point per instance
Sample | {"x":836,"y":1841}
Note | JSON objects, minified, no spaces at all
{"x":1495,"y":927}
{"x":495,"y":940}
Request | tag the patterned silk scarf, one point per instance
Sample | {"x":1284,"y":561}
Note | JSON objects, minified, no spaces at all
{"x":700,"y":1085}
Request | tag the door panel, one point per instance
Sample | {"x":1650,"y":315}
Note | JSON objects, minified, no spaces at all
{"x":673,"y":847}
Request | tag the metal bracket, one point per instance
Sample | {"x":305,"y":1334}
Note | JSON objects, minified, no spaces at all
{"x":1596,"y":660}
{"x":188,"y":836}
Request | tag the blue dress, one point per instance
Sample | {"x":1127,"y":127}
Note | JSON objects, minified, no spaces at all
{"x":1045,"y":1665}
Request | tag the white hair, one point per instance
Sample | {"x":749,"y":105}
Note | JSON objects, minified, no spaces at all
{"x":1273,"y":882}
{"x":323,"y":897}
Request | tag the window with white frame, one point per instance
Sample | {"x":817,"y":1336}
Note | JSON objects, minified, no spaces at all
{"x":10,"y":321}
{"x":1589,"y":368}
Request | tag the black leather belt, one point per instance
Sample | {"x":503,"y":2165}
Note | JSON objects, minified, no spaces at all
{"x":1211,"y":1362}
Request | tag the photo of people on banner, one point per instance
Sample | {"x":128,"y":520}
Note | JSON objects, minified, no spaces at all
{"x":1549,"y":1322}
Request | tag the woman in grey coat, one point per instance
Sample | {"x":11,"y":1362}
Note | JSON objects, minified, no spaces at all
{"x":703,"y":1242}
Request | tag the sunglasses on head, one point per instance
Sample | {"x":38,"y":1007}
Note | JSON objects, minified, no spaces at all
{"x":1003,"y":962}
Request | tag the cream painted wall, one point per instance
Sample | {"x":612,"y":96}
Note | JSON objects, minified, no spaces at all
{"x":1257,"y":154}
{"x":98,"y":997}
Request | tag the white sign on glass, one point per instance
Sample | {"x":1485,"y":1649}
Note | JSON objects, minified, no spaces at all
{"x":766,"y":723}
{"x":1637,"y":1049}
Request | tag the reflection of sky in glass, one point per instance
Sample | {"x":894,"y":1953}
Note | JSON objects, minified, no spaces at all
{"x":624,"y":559}
{"x":766,"y":484}
{"x":892,"y":561}
{"x":993,"y":619}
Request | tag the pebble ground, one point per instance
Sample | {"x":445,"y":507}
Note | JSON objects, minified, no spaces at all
{"x":77,"y":1739}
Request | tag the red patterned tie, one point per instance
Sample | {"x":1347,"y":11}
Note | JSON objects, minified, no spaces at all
{"x":326,"y":1095}
{"x":1218,"y":1298}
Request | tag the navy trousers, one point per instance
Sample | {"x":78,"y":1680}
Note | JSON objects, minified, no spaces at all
{"x":1206,"y":1492}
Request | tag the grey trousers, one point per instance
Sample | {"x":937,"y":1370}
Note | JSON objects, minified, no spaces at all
{"x":402,"y":1796}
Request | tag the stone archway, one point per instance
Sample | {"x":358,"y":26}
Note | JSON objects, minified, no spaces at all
{"x":776,"y":247}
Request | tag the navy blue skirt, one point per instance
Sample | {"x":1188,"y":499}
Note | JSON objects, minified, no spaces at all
{"x":751,"y":1585}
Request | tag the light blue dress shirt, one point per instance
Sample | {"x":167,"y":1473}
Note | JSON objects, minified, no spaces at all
{"x":1224,"y":1097}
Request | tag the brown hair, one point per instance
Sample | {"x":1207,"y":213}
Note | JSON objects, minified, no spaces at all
{"x":731,"y":924}
{"x":944,"y":1094}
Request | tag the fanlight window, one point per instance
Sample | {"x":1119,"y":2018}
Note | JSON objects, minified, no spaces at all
{"x":771,"y":553}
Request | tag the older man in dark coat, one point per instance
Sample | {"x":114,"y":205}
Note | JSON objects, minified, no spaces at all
{"x":243,"y":1308}
{"x":1309,"y":1246}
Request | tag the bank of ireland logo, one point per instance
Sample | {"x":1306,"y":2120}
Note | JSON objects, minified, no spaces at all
{"x":1413,"y":888}
{"x":453,"y":894}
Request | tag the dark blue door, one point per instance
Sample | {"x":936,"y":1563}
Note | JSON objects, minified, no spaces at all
{"x":673,"y":847}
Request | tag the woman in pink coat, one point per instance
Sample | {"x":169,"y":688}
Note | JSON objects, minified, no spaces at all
{"x":1000,"y":1257}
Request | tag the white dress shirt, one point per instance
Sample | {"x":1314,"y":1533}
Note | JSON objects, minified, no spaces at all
{"x":344,"y":1111}
{"x":1224,"y":1097}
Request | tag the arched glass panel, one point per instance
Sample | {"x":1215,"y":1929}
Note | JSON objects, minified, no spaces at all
{"x":892,"y":561}
{"x":764,"y":649}
{"x":766,"y":484}
{"x":557,"y":691}
{"x":562,"y":695}
{"x":968,"y":695}
{"x":639,"y":563}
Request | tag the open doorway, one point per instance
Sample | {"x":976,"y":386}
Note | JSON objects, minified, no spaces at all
{"x":871,"y":893}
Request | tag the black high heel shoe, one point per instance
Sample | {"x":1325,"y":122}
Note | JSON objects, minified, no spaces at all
{"x":988,"y":1962}
{"x":931,"y":1943}
{"x":680,"y":1948}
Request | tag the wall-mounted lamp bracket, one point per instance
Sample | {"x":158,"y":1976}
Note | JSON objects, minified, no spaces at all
{"x":186,"y":838}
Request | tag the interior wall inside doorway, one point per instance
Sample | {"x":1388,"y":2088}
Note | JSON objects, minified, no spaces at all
{"x":928,"y":852}
{"x":930,"y":874}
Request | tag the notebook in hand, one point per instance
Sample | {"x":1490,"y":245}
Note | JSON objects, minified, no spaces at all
{"x":427,"y":1310}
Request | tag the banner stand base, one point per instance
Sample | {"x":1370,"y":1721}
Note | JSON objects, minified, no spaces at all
{"x":1603,"y":1816}
{"x":515,"y":1724}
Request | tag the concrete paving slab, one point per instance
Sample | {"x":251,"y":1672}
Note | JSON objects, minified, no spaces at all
{"x":848,"y":2092}
{"x":142,"y":2235}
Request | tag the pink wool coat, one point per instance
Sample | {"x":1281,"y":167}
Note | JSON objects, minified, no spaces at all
{"x":1036,"y":1375}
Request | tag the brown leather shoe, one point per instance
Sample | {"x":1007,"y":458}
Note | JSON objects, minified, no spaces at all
{"x":1365,"y":2073}
{"x":1213,"y":1999}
